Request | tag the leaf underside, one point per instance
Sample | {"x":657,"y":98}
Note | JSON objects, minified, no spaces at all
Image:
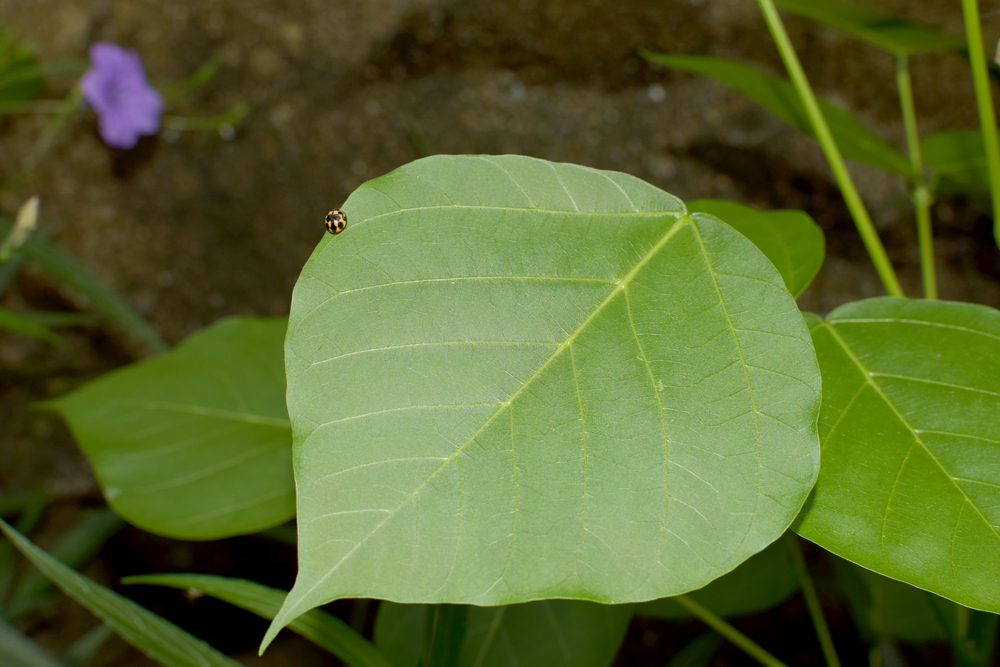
{"x":511,"y":379}
{"x":910,"y":485}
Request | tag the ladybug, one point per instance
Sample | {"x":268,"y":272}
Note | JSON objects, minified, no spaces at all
{"x":336,"y":221}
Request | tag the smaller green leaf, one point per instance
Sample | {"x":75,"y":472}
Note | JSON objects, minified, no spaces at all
{"x":547,"y":633}
{"x":195,"y":443}
{"x":891,"y":33}
{"x":761,"y":582}
{"x":159,"y":639}
{"x":19,"y":322}
{"x":854,"y":139}
{"x":323,"y":629}
{"x":18,"y":650}
{"x":74,"y":548}
{"x":790,"y":239}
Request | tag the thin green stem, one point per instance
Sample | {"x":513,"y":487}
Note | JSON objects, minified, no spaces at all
{"x":750,"y":647}
{"x":812,"y":602}
{"x":850,"y":193}
{"x":920,"y":193}
{"x":984,"y":103}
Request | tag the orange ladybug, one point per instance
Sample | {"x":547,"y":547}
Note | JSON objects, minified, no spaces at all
{"x":336,"y":221}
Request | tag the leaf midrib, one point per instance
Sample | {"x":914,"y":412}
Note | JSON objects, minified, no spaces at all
{"x":916,"y":436}
{"x":201,"y":411}
{"x":619,"y":287}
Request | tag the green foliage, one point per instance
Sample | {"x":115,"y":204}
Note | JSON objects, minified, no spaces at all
{"x":160,"y":640}
{"x":550,"y":633}
{"x":19,"y":78}
{"x":321,"y":628}
{"x":74,"y":548}
{"x":790,"y":239}
{"x":194,"y":443}
{"x":959,"y":162}
{"x":17,"y":650}
{"x":62,"y":266}
{"x":764,"y":580}
{"x":908,"y":487}
{"x":778,"y":96}
{"x":536,"y":352}
{"x":875,"y":26}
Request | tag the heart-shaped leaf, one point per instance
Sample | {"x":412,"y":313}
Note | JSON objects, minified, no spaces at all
{"x":194,"y":443}
{"x":511,"y":379}
{"x":910,"y":484}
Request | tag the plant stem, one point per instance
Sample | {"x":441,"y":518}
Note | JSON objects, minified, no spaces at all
{"x":920,"y":194}
{"x":984,"y":103}
{"x":729,"y":632}
{"x":854,"y":204}
{"x":812,"y":602}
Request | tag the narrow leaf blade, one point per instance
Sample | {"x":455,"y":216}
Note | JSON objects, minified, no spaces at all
{"x":323,"y":629}
{"x":778,"y":96}
{"x":159,"y":639}
{"x":194,"y":443}
{"x":18,"y":650}
{"x":910,"y":484}
{"x":898,"y":36}
{"x":532,"y":350}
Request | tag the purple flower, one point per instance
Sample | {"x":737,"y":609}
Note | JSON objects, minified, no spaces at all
{"x":115,"y":87}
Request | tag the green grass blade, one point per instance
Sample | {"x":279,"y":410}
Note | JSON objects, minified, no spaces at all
{"x":159,"y":639}
{"x":26,"y":325}
{"x":323,"y":629}
{"x":876,"y":27}
{"x":83,"y":650}
{"x":75,"y":548}
{"x":18,"y":650}
{"x":64,"y":267}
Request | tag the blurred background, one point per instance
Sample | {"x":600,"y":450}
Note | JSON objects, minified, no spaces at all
{"x":189,"y":227}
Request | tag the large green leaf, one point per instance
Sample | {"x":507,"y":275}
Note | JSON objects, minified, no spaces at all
{"x":548,"y":633}
{"x":854,"y":139}
{"x":790,"y":239}
{"x":910,"y":484}
{"x":323,"y":629}
{"x":159,"y":639}
{"x":499,"y":368}
{"x":761,"y":582}
{"x":875,"y":26}
{"x":194,"y":443}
